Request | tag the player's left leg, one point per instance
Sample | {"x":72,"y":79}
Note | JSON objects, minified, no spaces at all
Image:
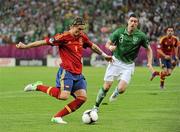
{"x":120,"y":89}
{"x":80,"y":98}
{"x":165,"y":73}
{"x":79,"y":92}
{"x":174,"y":62}
{"x":126,"y":72}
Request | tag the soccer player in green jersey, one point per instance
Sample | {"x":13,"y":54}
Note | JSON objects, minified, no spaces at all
{"x":124,"y":43}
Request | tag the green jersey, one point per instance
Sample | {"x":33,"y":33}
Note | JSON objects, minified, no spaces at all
{"x":128,"y":45}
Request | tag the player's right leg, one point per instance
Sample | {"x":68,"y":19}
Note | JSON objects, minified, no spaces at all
{"x":32,"y":86}
{"x":101,"y":94}
{"x":112,"y":71}
{"x":79,"y":93}
{"x":166,"y":72}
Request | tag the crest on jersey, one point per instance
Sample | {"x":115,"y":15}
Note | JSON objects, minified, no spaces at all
{"x":135,"y":39}
{"x":80,"y":41}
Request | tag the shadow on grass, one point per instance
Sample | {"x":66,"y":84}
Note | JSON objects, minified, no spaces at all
{"x":153,"y":93}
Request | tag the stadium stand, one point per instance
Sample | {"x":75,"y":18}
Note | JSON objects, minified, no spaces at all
{"x":31,"y":20}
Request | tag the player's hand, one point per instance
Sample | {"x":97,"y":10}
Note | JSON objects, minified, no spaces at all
{"x":112,"y":47}
{"x":107,"y":57}
{"x":167,"y":57}
{"x":20,"y":45}
{"x":177,"y":59}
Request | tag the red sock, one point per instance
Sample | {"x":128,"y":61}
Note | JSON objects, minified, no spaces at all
{"x":156,"y":73}
{"x":163,"y":75}
{"x":52,"y":91}
{"x":71,"y":107}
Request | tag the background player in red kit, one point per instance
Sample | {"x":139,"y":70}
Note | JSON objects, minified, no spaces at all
{"x":69,"y":80}
{"x":168,"y":55}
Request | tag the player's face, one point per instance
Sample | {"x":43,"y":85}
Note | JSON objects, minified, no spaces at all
{"x":132,"y":23}
{"x":77,"y":29}
{"x":170,"y":31}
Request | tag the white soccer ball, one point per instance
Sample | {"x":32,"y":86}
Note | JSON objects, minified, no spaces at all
{"x":89,"y":116}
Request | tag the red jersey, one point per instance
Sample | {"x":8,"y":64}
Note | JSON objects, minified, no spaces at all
{"x":70,"y":50}
{"x":167,"y":44}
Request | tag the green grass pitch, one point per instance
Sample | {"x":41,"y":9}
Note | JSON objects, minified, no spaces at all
{"x":143,"y":108}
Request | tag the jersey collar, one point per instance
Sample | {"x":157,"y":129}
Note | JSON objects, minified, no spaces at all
{"x":126,"y":32}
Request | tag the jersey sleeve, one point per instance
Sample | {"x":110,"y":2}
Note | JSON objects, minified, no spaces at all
{"x":114,"y":36}
{"x":161,"y":40}
{"x":55,"y":40}
{"x":176,"y":41}
{"x":86,"y":41}
{"x":145,"y":41}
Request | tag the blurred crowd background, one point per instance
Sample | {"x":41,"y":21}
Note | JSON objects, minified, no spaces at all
{"x":31,"y":20}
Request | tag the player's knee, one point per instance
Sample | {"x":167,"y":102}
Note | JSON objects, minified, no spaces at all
{"x":122,"y":90}
{"x":174,"y":63}
{"x":82,"y":98}
{"x":63,"y":96}
{"x":168,"y":74}
{"x":78,"y":102}
{"x":107,"y":86}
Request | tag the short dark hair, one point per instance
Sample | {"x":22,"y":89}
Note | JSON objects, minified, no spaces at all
{"x":78,"y":21}
{"x":133,"y":15}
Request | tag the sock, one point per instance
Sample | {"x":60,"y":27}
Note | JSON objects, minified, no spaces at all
{"x":156,"y":73}
{"x":52,"y":91}
{"x":100,"y":96}
{"x":71,"y":107}
{"x":162,"y":78}
{"x":116,"y":91}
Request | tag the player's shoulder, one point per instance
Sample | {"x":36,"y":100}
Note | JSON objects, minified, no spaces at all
{"x":61,"y":35}
{"x":162,"y":38}
{"x":175,"y":37}
{"x":140,"y":34}
{"x":84,"y":35}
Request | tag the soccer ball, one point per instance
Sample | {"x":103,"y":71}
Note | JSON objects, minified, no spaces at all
{"x":89,"y":116}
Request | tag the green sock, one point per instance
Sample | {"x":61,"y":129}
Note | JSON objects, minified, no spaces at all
{"x":100,"y":96}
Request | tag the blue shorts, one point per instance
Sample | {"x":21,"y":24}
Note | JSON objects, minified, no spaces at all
{"x":69,"y":81}
{"x":166,"y":63}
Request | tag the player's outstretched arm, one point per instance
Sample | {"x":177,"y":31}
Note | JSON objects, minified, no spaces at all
{"x":31,"y":45}
{"x":149,"y":59}
{"x":97,"y":50}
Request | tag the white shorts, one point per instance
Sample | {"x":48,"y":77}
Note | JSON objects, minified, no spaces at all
{"x":118,"y":70}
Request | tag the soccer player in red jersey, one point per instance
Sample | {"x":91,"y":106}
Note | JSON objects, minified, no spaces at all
{"x":69,"y":80}
{"x":168,"y":55}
